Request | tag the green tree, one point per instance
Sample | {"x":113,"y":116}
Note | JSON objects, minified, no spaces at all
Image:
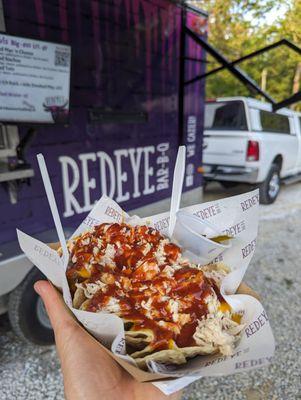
{"x":238,"y":27}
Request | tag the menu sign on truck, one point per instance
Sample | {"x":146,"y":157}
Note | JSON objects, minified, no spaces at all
{"x":34,"y":81}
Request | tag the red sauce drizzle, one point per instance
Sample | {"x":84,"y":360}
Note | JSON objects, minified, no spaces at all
{"x":136,"y":277}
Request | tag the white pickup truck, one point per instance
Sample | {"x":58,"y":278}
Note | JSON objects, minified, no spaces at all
{"x":244,"y":141}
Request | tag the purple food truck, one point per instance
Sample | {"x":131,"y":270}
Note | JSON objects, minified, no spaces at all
{"x":98,"y":88}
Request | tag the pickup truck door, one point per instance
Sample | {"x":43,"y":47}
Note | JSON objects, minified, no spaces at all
{"x":297,"y":120}
{"x":284,"y":142}
{"x":292,"y":145}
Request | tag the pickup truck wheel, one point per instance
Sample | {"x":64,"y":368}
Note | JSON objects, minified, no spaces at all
{"x":269,"y":189}
{"x":27,"y":313}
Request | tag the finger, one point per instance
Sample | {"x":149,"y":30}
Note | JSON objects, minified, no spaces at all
{"x":55,"y":306}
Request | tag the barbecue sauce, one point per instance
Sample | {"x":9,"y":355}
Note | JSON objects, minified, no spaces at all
{"x":138,"y":278}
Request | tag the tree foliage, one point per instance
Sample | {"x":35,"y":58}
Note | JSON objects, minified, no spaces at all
{"x":239,"y":27}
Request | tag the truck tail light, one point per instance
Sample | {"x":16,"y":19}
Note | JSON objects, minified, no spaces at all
{"x":253,"y":151}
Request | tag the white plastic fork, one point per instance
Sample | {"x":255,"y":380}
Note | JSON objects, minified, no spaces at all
{"x":177,"y":185}
{"x":53,"y":205}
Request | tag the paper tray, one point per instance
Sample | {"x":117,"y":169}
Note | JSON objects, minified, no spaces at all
{"x":135,"y":372}
{"x":237,"y":215}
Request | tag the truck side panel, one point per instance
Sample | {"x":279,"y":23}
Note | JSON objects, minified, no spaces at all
{"x":124,"y":60}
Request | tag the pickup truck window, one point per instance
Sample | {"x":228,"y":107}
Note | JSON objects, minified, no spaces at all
{"x":228,"y":115}
{"x":272,"y":122}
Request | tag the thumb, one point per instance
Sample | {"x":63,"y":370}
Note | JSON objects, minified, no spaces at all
{"x":56,"y":308}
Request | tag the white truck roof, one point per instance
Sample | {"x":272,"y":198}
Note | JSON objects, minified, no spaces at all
{"x":254,"y":103}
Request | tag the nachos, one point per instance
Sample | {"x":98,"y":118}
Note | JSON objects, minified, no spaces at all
{"x":172,"y":309}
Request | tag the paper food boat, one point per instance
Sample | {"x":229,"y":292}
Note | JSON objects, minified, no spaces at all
{"x":230,"y":215}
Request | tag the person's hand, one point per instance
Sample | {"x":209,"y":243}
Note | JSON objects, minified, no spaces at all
{"x":89,"y":373}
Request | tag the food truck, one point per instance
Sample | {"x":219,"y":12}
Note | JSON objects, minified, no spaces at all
{"x":98,"y":88}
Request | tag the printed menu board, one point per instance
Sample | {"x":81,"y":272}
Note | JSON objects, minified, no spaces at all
{"x":34,"y":81}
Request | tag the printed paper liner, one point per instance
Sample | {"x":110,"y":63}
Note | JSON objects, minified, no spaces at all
{"x":236,"y":216}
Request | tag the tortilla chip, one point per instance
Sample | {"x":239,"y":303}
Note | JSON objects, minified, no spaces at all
{"x":84,"y":305}
{"x":174,"y":356}
{"x":190,"y":352}
{"x":139,"y":339}
{"x":79,"y":297}
{"x":148,"y":350}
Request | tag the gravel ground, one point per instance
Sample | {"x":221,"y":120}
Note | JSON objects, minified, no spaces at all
{"x":275,"y":274}
{"x":28,"y":372}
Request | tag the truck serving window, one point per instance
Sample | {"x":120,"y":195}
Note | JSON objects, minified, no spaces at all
{"x":272,"y":122}
{"x":225,"y":115}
